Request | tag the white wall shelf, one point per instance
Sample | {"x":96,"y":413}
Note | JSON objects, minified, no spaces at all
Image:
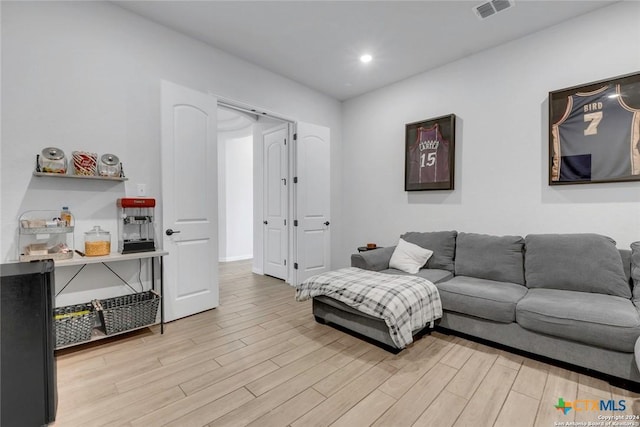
{"x":64,"y":175}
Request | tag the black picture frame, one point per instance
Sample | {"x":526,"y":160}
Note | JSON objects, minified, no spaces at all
{"x":594,"y":132}
{"x":430,"y":154}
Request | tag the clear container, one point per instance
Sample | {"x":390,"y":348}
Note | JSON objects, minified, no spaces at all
{"x":109,"y":165}
{"x":97,"y":242}
{"x":52,"y":160}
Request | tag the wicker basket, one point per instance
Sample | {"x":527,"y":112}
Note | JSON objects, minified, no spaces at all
{"x":128,"y":312}
{"x":73,"y":323}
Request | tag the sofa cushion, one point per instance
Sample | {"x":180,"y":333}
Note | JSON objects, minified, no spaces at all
{"x":601,"y":320}
{"x":635,"y":271}
{"x":442,"y":243}
{"x":483,"y":298}
{"x":575,"y":262}
{"x":432,"y":275}
{"x":409,"y":257}
{"x":496,"y":258}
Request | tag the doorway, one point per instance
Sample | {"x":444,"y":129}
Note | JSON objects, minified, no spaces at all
{"x":189,"y":154}
{"x":250,"y":183}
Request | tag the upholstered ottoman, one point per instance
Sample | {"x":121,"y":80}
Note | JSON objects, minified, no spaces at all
{"x":366,"y":300}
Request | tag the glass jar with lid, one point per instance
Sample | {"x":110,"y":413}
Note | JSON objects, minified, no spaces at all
{"x":97,"y":242}
{"x":109,"y":165}
{"x":52,"y":160}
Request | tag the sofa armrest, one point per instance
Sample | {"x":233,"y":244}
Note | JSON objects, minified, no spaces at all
{"x":375,"y":260}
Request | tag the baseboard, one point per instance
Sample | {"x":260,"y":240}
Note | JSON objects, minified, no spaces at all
{"x":236,"y":258}
{"x":257,"y":271}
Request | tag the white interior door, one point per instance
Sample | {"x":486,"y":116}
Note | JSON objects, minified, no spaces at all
{"x":275,"y":202}
{"x":189,"y":200}
{"x":312,"y":201}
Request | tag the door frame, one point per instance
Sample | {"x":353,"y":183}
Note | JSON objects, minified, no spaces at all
{"x":258,"y":208}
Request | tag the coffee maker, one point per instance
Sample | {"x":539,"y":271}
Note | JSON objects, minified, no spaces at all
{"x":136,"y":231}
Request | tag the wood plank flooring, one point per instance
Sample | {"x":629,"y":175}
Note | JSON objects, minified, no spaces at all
{"x":260,"y":359}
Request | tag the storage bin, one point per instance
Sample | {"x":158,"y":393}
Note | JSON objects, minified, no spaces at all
{"x":73,"y":323}
{"x":128,"y":311}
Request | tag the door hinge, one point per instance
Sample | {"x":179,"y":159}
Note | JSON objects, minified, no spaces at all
{"x":295,"y":222}
{"x":285,"y":222}
{"x":295,"y":179}
{"x":295,"y":265}
{"x":285,"y":141}
{"x":285,"y":262}
{"x":295,"y":136}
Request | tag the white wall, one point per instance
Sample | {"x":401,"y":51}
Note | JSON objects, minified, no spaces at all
{"x":222,"y":197}
{"x":86,"y":75}
{"x":239,"y":197}
{"x":235,"y":194}
{"x":500,"y":99}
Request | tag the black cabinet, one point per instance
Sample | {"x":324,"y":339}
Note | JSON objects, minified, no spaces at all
{"x":28,"y":395}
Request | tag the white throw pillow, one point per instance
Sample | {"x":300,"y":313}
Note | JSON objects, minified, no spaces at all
{"x":408,"y":257}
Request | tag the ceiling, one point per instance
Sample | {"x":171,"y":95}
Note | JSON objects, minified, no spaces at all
{"x":318,"y":43}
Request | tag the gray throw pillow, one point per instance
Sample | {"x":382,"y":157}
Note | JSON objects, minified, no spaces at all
{"x":575,"y":262}
{"x":442,"y":243}
{"x":635,"y":271}
{"x":488,"y":257}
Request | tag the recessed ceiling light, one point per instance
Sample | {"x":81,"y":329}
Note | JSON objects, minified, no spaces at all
{"x":366,"y":58}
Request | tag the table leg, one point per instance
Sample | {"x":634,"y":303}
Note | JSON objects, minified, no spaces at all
{"x":162,"y":297}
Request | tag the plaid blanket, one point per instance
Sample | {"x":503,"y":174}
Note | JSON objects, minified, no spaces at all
{"x":405,"y":303}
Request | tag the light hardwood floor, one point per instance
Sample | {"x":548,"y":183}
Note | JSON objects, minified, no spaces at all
{"x":260,"y":359}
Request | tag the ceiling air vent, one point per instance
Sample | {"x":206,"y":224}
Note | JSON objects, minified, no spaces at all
{"x":489,"y":8}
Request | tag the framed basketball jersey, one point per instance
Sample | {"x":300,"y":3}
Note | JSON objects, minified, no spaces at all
{"x":594,"y":132}
{"x":429,"y":154}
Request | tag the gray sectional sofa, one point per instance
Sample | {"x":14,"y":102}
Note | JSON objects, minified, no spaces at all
{"x":568,"y":297}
